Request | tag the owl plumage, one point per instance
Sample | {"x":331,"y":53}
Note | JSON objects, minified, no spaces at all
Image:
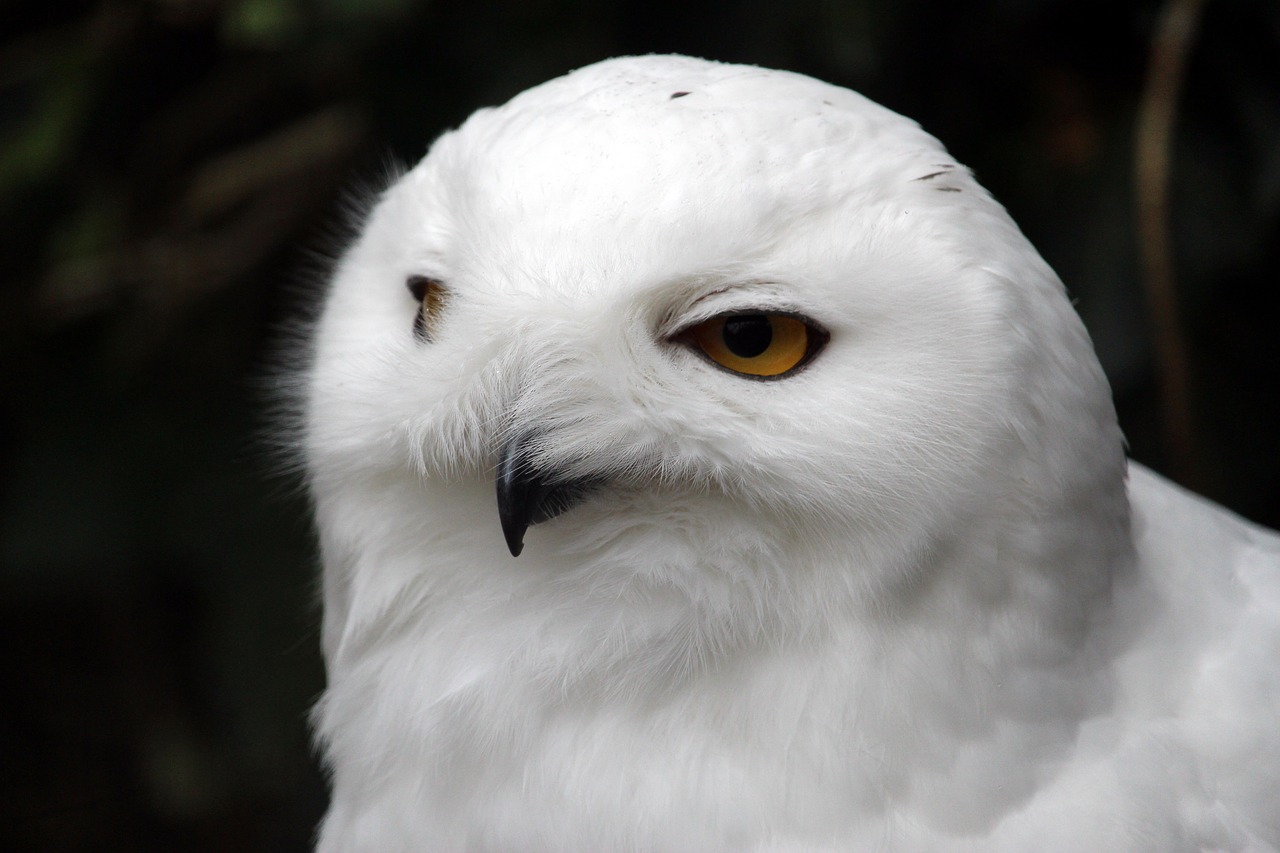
{"x":818,"y":494}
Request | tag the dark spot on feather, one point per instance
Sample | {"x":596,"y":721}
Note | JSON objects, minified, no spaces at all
{"x":947,"y":189}
{"x":675,"y":95}
{"x":930,"y":176}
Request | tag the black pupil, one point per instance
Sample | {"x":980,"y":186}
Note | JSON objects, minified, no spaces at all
{"x":747,"y":335}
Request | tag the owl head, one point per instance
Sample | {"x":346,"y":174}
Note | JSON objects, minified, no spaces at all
{"x":714,"y":335}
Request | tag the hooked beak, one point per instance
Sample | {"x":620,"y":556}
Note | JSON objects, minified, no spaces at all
{"x":527,"y":496}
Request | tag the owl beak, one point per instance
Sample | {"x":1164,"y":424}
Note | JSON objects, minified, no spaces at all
{"x":527,"y":496}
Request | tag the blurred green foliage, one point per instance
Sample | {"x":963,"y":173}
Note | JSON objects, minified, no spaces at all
{"x":169,"y":171}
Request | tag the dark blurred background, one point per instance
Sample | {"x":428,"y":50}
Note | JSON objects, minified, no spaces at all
{"x":171,"y":170}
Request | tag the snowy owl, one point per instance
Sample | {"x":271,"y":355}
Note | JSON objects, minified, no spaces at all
{"x":703,"y":461}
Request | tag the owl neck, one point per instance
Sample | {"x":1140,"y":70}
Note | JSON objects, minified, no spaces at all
{"x":979,"y":643}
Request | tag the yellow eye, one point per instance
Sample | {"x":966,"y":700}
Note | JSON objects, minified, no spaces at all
{"x":431,"y":295}
{"x":757,"y":344}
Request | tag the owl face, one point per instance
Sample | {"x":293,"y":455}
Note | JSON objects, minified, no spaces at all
{"x":762,"y":317}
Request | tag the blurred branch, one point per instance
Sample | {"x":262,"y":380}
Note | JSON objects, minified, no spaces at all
{"x":239,"y":207}
{"x":324,"y":137}
{"x":1173,"y":38}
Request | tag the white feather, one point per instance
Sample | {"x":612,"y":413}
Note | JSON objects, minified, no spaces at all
{"x":898,"y":600}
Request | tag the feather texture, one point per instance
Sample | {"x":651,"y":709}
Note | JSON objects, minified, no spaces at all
{"x":897,"y":599}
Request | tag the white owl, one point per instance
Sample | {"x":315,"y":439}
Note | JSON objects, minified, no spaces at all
{"x":822,"y":501}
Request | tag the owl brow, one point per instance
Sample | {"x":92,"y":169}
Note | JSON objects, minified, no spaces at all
{"x":767,"y":301}
{"x":678,"y":310}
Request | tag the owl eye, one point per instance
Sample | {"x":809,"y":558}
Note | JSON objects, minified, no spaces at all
{"x":760,"y":345}
{"x":431,"y":294}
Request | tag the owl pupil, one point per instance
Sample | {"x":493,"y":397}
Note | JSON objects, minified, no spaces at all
{"x":747,"y":335}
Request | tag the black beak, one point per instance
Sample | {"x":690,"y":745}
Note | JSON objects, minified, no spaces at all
{"x":527,"y":496}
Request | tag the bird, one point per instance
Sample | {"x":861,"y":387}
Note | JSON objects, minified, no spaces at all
{"x":701,"y":459}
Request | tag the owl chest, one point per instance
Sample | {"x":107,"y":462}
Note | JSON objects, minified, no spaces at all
{"x":489,"y":748}
{"x":505,"y":758}
{"x":587,"y":776}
